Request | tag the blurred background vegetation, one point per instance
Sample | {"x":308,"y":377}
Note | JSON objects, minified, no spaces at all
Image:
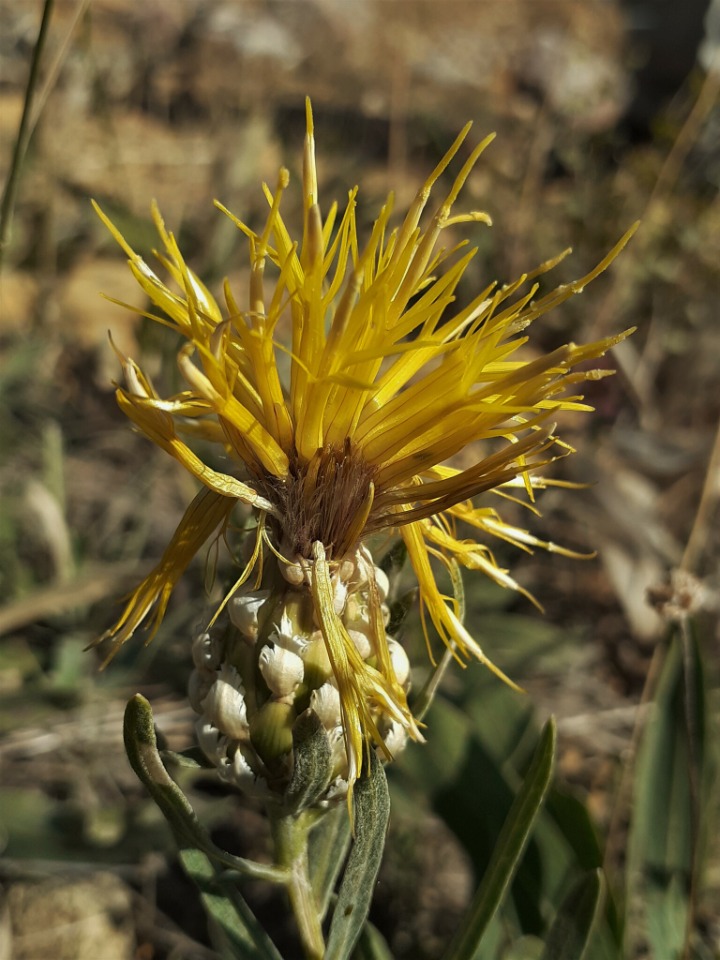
{"x":604,"y":115}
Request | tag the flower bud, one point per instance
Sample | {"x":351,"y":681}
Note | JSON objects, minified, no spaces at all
{"x":289,"y":635}
{"x":225,"y":707}
{"x":340,"y":592}
{"x":251,"y":729}
{"x":271,"y":730}
{"x":346,"y":570}
{"x":206,"y":652}
{"x":336,"y":792}
{"x":282,"y":670}
{"x":361,"y":641}
{"x":293,"y":573}
{"x":210,"y":740}
{"x":325,"y":701}
{"x":355,"y":610}
{"x":199,"y":686}
{"x":395,"y":737}
{"x":244,"y":612}
{"x":382,"y":582}
{"x":235,"y":769}
{"x":317,"y":662}
{"x":399,"y":660}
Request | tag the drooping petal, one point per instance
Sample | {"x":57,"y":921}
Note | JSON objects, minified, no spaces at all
{"x":159,"y":427}
{"x":206,"y":512}
{"x":444,"y":618}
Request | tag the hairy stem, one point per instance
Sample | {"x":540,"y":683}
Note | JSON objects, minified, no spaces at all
{"x":290,"y":834}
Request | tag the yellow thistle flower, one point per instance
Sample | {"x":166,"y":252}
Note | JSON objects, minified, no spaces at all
{"x":388,"y":380}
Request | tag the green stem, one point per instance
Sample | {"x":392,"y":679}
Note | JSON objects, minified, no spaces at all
{"x":290,"y":834}
{"x":8,"y":197}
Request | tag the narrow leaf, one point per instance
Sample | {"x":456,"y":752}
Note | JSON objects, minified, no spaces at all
{"x":142,"y":752}
{"x":244,"y":936}
{"x":672,"y":791}
{"x":372,"y":810}
{"x":239,"y":934}
{"x":573,"y":926}
{"x":193,"y":758}
{"x":508,"y":849}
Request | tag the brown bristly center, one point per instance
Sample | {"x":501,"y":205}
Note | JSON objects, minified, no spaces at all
{"x":323,"y":500}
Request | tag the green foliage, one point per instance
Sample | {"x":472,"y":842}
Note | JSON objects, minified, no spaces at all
{"x":673,"y":801}
{"x":568,"y":937}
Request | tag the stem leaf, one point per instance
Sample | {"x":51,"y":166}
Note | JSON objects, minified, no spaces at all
{"x":372,"y":810}
{"x":243,"y":935}
{"x":236,"y":931}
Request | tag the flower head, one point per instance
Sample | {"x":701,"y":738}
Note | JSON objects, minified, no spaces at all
{"x":348,"y":430}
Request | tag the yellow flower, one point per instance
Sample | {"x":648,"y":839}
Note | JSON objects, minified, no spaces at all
{"x":348,"y":430}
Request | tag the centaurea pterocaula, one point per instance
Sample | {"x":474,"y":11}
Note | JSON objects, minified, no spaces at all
{"x":347,"y":430}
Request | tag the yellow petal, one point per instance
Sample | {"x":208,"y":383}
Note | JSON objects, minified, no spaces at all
{"x":204,"y":514}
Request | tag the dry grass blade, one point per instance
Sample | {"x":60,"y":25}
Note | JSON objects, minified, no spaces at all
{"x":89,"y":587}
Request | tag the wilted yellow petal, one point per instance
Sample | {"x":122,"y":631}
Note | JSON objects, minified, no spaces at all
{"x":201,"y":518}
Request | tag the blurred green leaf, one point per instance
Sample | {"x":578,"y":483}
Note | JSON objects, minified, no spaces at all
{"x":481,"y":779}
{"x":508,"y":849}
{"x":526,"y":948}
{"x":521,"y":645}
{"x":479,"y":750}
{"x":70,"y":671}
{"x":371,"y":945}
{"x":439,"y":761}
{"x":371,"y":806}
{"x":666,"y":904}
{"x":26,"y":825}
{"x":573,"y":819}
{"x":572,"y":928}
{"x":669,"y":799}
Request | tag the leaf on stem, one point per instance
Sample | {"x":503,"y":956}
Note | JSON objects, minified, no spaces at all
{"x":372,"y":810}
{"x":242,"y":934}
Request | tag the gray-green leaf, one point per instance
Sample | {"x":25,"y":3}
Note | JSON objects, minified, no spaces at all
{"x":242,"y":935}
{"x":372,"y":811}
